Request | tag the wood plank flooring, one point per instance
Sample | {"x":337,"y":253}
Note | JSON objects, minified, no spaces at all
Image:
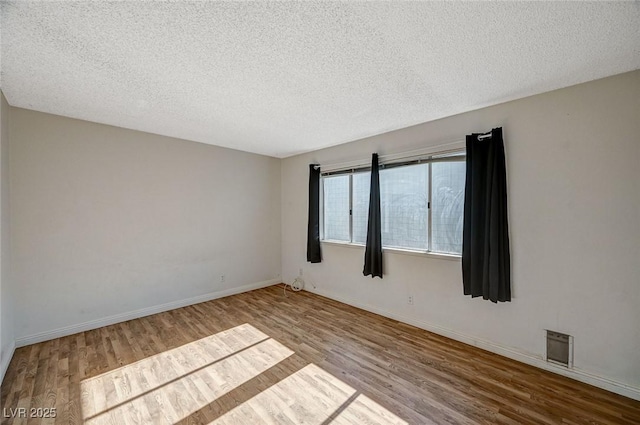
{"x":261,"y":357}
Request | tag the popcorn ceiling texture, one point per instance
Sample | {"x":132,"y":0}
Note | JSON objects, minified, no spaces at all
{"x":284,"y":78}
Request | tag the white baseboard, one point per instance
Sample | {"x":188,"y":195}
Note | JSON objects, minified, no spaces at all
{"x":530,"y":359}
{"x":123,"y":317}
{"x":6,"y":360}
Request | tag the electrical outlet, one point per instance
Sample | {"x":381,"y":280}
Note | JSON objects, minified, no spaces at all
{"x":301,"y":273}
{"x":410,"y":300}
{"x":222,"y":278}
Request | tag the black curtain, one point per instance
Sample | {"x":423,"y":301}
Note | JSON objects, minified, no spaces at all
{"x":486,"y":269}
{"x":373,"y":251}
{"x":313,"y":227}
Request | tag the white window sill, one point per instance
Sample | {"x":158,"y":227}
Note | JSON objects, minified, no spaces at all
{"x":400,"y":251}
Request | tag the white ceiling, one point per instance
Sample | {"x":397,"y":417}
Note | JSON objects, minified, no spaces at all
{"x":285,"y":78}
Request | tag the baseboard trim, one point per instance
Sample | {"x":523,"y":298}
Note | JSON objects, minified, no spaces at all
{"x":527,"y":358}
{"x":6,"y":360}
{"x":123,"y":317}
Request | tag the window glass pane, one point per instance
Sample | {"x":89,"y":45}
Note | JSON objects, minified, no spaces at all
{"x":404,"y":193}
{"x":448,"y":206}
{"x":336,"y":208}
{"x":361,"y":184}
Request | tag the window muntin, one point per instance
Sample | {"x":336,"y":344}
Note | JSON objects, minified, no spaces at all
{"x":421,"y":205}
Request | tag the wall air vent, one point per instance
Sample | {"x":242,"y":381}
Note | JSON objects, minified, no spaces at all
{"x":559,"y":348}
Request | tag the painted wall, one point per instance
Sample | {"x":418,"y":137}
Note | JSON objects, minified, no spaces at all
{"x":573,"y":160}
{"x":6,"y":294}
{"x":108,"y":221}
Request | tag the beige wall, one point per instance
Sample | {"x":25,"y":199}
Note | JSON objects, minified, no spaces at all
{"x":108,"y":221}
{"x":6,"y":294}
{"x":573,"y":160}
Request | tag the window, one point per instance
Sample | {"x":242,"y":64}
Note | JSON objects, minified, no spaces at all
{"x":336,"y":207}
{"x":421,"y":204}
{"x":361,"y":184}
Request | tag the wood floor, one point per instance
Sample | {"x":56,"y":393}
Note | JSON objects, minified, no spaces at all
{"x":260,"y":357}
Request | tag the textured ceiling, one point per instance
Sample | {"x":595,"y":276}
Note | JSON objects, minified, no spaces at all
{"x":284,"y":78}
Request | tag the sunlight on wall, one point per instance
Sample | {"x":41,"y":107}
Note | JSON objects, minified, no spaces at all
{"x":309,"y":396}
{"x":170,"y":386}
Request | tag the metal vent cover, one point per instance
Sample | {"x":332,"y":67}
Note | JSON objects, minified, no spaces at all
{"x":560,"y":348}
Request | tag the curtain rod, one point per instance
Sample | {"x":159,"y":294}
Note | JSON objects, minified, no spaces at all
{"x":487,"y":135}
{"x":442,"y":148}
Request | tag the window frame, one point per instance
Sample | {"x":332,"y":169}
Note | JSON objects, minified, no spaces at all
{"x":443,"y":156}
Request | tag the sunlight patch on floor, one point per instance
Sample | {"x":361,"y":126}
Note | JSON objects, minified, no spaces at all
{"x":363,"y":410}
{"x":172,"y":385}
{"x":309,"y":396}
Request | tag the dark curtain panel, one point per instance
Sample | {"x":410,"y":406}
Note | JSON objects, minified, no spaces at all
{"x":486,"y":269}
{"x":313,"y":229}
{"x":373,"y":251}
